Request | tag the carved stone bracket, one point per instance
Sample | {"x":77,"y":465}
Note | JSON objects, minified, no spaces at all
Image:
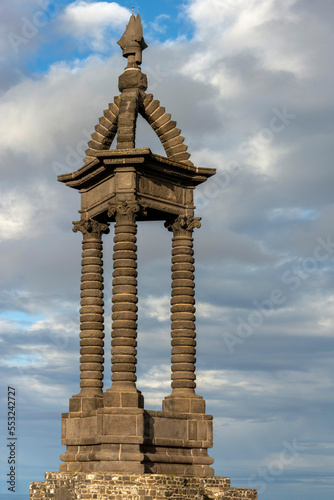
{"x":90,"y":226}
{"x":183,"y":222}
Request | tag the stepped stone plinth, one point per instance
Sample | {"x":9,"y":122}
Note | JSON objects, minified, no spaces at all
{"x":115,"y":447}
{"x":110,"y":486}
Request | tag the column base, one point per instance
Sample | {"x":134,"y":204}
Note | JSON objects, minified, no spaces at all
{"x":105,"y":439}
{"x":85,"y":402}
{"x":123,"y":398}
{"x":176,"y":443}
{"x":112,"y":458}
{"x":183,"y":403}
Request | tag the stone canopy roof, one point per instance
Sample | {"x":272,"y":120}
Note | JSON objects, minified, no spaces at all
{"x":120,"y":118}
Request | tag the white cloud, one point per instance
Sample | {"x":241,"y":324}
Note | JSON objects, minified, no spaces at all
{"x":88,"y":21}
{"x":158,"y":26}
{"x":56,"y":329}
{"x":155,"y":307}
{"x":206,"y":310}
{"x":159,"y":308}
{"x":260,"y":27}
{"x":157,"y":377}
{"x":265,"y":155}
{"x":155,"y":384}
{"x":51,"y":113}
{"x":21,"y":213}
{"x":15,"y":216}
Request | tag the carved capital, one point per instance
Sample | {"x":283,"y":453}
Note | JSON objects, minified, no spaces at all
{"x":182,"y":222}
{"x":126,"y":211}
{"x":90,"y":226}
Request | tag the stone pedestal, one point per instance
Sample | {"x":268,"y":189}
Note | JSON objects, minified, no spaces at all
{"x":75,"y":486}
{"x":176,"y":443}
{"x":134,"y":440}
{"x":105,"y":439}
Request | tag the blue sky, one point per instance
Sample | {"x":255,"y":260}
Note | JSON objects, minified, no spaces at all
{"x":250,"y":85}
{"x":162,"y":21}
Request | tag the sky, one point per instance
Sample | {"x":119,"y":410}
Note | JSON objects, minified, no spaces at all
{"x":250,"y":83}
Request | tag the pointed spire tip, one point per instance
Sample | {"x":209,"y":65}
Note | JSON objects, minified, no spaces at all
{"x":132,"y":42}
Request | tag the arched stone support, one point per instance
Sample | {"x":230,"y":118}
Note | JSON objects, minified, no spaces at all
{"x":165,"y":128}
{"x":121,"y":119}
{"x":105,"y":130}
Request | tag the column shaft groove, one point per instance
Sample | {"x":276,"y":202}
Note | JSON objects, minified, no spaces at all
{"x":183,"y":304}
{"x":91,"y":312}
{"x":124,"y":299}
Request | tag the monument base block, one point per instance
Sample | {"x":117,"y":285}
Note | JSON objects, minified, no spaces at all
{"x":106,"y":486}
{"x":136,"y":441}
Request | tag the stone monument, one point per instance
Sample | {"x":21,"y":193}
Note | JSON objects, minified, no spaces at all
{"x":115,"y":448}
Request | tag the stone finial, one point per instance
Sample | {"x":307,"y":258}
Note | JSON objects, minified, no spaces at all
{"x":132,"y":42}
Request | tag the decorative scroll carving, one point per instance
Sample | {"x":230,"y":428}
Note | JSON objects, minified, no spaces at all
{"x":125,"y":209}
{"x":183,"y":222}
{"x":90,"y":226}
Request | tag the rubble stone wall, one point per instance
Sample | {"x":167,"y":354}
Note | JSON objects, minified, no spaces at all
{"x":81,"y":486}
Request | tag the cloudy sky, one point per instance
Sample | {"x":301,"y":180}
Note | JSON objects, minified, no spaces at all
{"x":251,"y":85}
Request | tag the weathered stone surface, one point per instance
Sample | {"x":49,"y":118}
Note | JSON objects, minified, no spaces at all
{"x":105,"y":123}
{"x":88,"y":159}
{"x":157,"y":113}
{"x":130,"y":486}
{"x":95,"y":145}
{"x":132,"y":42}
{"x":180,"y":156}
{"x":177,"y":148}
{"x":127,"y":118}
{"x":123,"y":138}
{"x":125,"y":145}
{"x":174,"y":141}
{"x":110,"y":115}
{"x":166,"y":127}
{"x":169,"y":135}
{"x":147,"y":99}
{"x":132,"y":79}
{"x":101,"y":130}
{"x":63,"y":494}
{"x":188,"y":162}
{"x":161,"y":121}
{"x":152,"y":106}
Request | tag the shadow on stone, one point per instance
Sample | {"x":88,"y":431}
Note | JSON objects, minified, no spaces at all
{"x":63,"y":494}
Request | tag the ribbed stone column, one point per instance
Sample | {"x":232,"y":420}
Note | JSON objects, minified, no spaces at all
{"x":124,"y":326}
{"x":91,"y":319}
{"x":183,"y":317}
